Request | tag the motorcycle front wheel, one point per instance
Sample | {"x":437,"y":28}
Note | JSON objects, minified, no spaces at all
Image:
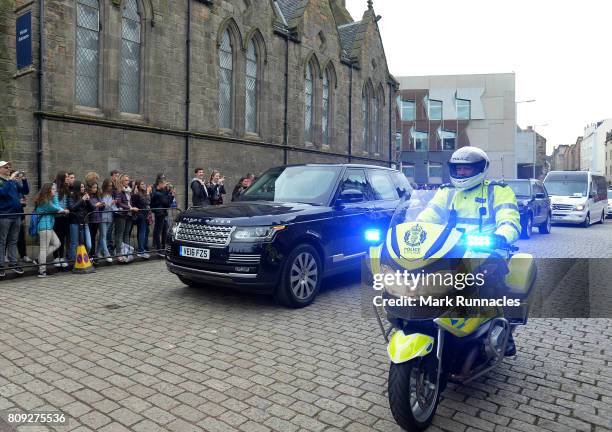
{"x":414,"y":392}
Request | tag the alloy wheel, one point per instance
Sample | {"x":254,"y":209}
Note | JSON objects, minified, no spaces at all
{"x":304,"y":275}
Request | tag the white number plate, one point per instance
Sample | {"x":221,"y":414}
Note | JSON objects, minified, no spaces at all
{"x":198,"y":253}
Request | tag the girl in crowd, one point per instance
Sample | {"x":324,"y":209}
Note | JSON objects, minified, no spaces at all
{"x":216,"y":190}
{"x":96,"y":217}
{"x":46,"y":207}
{"x":80,"y":206}
{"x":242,"y":185}
{"x":106,"y":218}
{"x":161,"y":200}
{"x":141,"y":200}
{"x":123,"y":216}
{"x":61,"y":225}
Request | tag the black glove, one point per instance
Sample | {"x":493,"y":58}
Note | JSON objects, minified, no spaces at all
{"x":499,"y":242}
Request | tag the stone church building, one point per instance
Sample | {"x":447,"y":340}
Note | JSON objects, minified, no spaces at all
{"x":148,"y":86}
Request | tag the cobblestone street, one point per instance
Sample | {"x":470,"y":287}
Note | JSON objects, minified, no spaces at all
{"x":131,"y":348}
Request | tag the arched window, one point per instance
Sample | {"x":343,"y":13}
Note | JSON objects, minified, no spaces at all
{"x":251,"y":88}
{"x":325,"y":123}
{"x":308,"y":97}
{"x":87,"y":52}
{"x":226,"y":68}
{"x":375,"y":124}
{"x":129,"y":81}
{"x":365,"y":118}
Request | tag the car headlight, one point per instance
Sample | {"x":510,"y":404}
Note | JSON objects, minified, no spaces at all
{"x":579,"y":207}
{"x":174,"y":229}
{"x":265,"y":233}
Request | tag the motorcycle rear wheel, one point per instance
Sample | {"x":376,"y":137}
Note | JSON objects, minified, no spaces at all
{"x":414,"y":393}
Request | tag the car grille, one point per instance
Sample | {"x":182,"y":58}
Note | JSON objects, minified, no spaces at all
{"x":563,"y":207}
{"x":210,"y":235}
{"x":244,"y":259}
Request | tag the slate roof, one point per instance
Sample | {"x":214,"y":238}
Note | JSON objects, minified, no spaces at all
{"x":292,"y":9}
{"x":347,"y":36}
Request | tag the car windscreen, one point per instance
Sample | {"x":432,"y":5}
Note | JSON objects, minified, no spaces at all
{"x":302,"y":184}
{"x":521,"y":189}
{"x":566,"y":188}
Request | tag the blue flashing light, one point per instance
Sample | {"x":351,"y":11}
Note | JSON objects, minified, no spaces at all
{"x":479,"y":241}
{"x":372,"y":235}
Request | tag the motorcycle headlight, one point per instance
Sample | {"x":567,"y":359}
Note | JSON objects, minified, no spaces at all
{"x":265,"y":233}
{"x":579,"y":207}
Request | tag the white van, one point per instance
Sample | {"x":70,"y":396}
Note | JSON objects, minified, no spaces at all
{"x":578,"y":197}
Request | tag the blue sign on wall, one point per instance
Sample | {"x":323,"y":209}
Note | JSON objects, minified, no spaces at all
{"x":24,"y":40}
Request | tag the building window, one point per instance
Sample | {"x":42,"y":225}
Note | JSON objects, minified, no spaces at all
{"x":447,"y":138}
{"x":407,"y":110}
{"x":434,"y":169}
{"x":420,"y":140}
{"x":375,"y":124}
{"x":365,"y":118}
{"x":251,"y":89}
{"x":398,"y":142}
{"x":129,"y":87}
{"x":325,"y":123}
{"x":463,"y":109}
{"x":408,"y":170}
{"x":87,"y":52}
{"x":308,"y":98}
{"x":226,"y":66}
{"x":434,"y":108}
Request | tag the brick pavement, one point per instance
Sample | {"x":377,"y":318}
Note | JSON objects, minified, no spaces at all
{"x":131,"y":348}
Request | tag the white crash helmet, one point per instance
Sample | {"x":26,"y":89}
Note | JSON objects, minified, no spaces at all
{"x":474,"y":157}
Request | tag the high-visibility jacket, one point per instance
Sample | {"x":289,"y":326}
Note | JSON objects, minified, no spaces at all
{"x":501,"y":214}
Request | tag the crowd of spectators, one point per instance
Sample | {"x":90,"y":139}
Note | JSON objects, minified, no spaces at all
{"x":101,"y":215}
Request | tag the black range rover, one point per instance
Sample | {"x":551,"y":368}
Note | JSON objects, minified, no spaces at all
{"x":295,"y":225}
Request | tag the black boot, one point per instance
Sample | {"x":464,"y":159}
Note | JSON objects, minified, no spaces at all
{"x":510,"y":347}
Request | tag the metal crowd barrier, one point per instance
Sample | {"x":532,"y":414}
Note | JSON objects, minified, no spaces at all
{"x":31,"y":245}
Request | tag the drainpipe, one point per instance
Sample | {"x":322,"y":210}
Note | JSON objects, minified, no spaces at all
{"x":286,"y":109}
{"x":350,"y":113}
{"x":41,"y":53}
{"x":187,"y":101}
{"x":391,"y":160}
{"x":285,"y":34}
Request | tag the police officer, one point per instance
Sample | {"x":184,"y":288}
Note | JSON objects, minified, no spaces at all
{"x":480,"y":204}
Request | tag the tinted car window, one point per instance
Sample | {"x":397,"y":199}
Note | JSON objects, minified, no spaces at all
{"x":356,"y":179}
{"x":402,"y":187}
{"x":537,"y":188}
{"x":382,"y":185}
{"x":303,"y":184}
{"x":520,"y":188}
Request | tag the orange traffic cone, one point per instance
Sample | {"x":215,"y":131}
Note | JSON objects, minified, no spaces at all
{"x":82,"y":264}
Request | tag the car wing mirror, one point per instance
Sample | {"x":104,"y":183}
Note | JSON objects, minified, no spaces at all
{"x":349,"y":196}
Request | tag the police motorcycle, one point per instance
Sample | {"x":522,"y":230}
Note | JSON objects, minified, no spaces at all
{"x":431,"y":345}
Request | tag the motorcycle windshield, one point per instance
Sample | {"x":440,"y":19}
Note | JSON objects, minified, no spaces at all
{"x":422,"y":229}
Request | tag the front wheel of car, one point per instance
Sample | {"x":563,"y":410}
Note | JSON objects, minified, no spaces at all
{"x":546,"y":226}
{"x":527,"y":228}
{"x":587,"y":221}
{"x":300,"y":278}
